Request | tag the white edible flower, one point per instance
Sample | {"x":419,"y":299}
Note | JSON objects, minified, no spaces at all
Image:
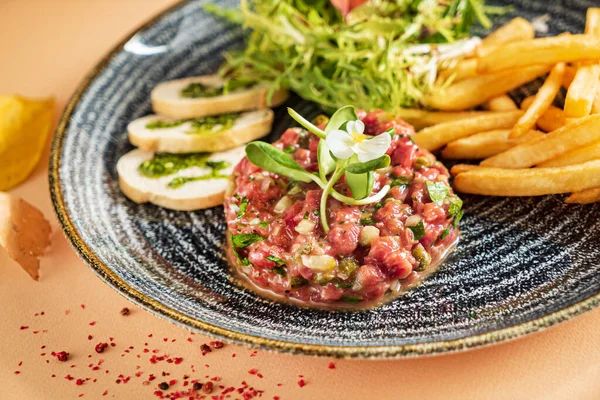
{"x":344,"y":144}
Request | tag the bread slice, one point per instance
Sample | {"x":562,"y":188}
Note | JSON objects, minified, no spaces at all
{"x":193,"y":195}
{"x":167,"y":99}
{"x":178,"y":139}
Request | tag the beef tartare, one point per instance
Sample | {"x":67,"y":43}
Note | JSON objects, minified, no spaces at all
{"x":369,"y":253}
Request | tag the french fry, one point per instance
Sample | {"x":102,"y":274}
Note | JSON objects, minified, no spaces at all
{"x":529,"y":181}
{"x":575,"y":156}
{"x":434,"y":137}
{"x":576,"y":134}
{"x":422,"y":119}
{"x":553,"y":119}
{"x":550,"y":50}
{"x":592,"y":27}
{"x":471,"y":92}
{"x":543,"y":99}
{"x":463,"y":69}
{"x":582,"y":91}
{"x":568,"y":76}
{"x":485,"y":144}
{"x":515,"y":30}
{"x":500,"y":103}
{"x":459,"y":168}
{"x":592,"y":22}
{"x":583,"y":87}
{"x":587,"y":196}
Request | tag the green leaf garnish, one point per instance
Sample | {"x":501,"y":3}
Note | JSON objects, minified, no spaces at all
{"x":306,"y":123}
{"x":263,"y":224}
{"x":272,"y":159}
{"x":326,"y":162}
{"x":360,"y":185}
{"x":361,"y":168}
{"x":418,"y":230}
{"x":438,"y":192}
{"x":340,"y":117}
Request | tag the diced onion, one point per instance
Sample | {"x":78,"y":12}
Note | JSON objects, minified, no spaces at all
{"x":264,"y":186}
{"x":413,"y":220}
{"x":319,"y":263}
{"x":282,"y":205}
{"x":395,"y":286}
{"x":305,"y":227}
{"x":295,"y":190}
{"x":367,"y":234}
{"x":254,"y":221}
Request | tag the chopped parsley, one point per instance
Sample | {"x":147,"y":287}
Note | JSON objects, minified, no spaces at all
{"x":276,"y":260}
{"x":289,"y":149}
{"x":351,"y":299}
{"x":446,"y":232}
{"x":245,"y":239}
{"x":418,"y":230}
{"x":315,"y":212}
{"x":263,"y":224}
{"x":342,"y":285}
{"x":401,"y":181}
{"x":244,"y":260}
{"x":281,"y":271}
{"x":367,"y":221}
{"x":378,"y":206}
{"x":455,"y":210}
{"x":243,"y":206}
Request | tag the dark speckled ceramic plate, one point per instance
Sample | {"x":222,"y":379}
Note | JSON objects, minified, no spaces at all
{"x":523,"y":264}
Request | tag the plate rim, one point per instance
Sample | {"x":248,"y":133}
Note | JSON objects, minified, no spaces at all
{"x":159,"y":309}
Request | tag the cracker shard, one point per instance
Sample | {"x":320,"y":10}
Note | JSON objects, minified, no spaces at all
{"x":24,"y":232}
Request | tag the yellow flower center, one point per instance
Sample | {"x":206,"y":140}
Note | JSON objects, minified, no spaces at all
{"x":358,"y":137}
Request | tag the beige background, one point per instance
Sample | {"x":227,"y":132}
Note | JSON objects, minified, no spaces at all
{"x":46,"y":47}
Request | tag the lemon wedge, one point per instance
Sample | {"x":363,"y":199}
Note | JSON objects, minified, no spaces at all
{"x":24,"y":128}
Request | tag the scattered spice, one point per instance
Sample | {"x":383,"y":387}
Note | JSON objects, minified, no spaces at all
{"x":24,"y":327}
{"x":205,"y":349}
{"x":61,"y":355}
{"x":197,"y":386}
{"x":100,"y":347}
{"x":90,"y":337}
{"x":331,"y":365}
{"x":125,"y":311}
{"x":207,"y":387}
{"x":163,"y":386}
{"x":301,"y":383}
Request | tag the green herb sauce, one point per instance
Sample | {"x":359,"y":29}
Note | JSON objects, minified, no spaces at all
{"x":168,"y":164}
{"x":205,"y":125}
{"x":197,"y":90}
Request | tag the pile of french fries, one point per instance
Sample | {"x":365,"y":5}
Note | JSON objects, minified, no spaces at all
{"x":533,"y":148}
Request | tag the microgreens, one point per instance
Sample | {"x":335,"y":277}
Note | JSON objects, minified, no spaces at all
{"x":343,"y":150}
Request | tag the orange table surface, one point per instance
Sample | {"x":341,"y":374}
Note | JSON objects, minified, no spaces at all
{"x":46,"y":48}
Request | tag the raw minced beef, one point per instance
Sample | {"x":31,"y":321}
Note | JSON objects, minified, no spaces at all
{"x":370,"y":251}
